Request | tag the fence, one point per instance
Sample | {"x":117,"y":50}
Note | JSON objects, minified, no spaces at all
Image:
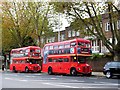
{"x":98,"y":63}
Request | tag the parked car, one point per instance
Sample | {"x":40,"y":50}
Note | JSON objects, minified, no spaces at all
{"x":112,"y":69}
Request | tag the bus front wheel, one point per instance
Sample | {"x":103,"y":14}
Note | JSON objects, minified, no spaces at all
{"x":50,"y":71}
{"x":73,"y":72}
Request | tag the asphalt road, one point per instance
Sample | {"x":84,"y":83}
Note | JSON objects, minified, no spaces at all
{"x":43,"y":80}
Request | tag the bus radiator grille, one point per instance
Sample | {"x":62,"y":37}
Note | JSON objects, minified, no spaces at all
{"x":86,"y":69}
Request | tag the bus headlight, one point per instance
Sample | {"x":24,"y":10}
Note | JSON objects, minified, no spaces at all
{"x":79,"y":69}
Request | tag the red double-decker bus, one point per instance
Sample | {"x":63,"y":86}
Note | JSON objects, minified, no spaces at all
{"x":67,"y":57}
{"x":26,"y":59}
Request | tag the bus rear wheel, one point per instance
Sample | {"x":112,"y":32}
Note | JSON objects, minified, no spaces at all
{"x":73,"y":72}
{"x":50,"y":71}
{"x":26,"y":70}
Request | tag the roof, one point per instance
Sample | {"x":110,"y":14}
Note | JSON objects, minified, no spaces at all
{"x":25,"y":47}
{"x":67,"y":41}
{"x":24,"y":58}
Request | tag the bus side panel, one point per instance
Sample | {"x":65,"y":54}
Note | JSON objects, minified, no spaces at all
{"x":44,"y":68}
{"x":65,"y":67}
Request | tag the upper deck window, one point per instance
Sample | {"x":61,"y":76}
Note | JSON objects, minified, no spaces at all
{"x":46,"y":48}
{"x":51,"y":47}
{"x":50,"y":60}
{"x":73,"y":44}
{"x":61,"y":46}
{"x":87,"y":44}
{"x":56,"y":47}
{"x":67,"y":45}
{"x":81,"y":44}
{"x":37,"y":50}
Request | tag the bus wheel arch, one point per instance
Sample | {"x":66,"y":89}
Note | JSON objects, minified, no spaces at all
{"x":73,"y":71}
{"x":50,"y":72}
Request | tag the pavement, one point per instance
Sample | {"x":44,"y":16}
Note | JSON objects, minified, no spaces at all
{"x":98,"y":74}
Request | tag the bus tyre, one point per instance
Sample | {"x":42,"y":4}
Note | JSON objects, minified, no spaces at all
{"x":50,"y":71}
{"x":89,"y":74}
{"x":14,"y":70}
{"x":26,"y":70}
{"x":73,"y":72}
{"x":39,"y":71}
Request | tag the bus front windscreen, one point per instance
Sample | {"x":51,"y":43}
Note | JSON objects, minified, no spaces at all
{"x":81,"y":60}
{"x":34,"y":61}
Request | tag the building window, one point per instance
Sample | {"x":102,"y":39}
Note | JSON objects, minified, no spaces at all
{"x":62,"y":37}
{"x":107,"y":26}
{"x":73,"y":33}
{"x":77,"y":33}
{"x":118,"y":24}
{"x":53,"y":39}
{"x":69,"y":33}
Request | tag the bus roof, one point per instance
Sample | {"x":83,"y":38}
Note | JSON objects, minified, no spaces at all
{"x":25,"y":48}
{"x":24,"y":58}
{"x":68,"y":41}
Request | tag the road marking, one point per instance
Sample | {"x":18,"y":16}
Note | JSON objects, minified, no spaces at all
{"x":29,"y":76}
{"x":23,"y":80}
{"x":11,"y":74}
{"x":53,"y":78}
{"x":77,"y":81}
{"x":9,"y":78}
{"x":60,"y":85}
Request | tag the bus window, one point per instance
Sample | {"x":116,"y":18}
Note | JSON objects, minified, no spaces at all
{"x":56,"y":47}
{"x":32,"y":50}
{"x":67,"y":51}
{"x":81,"y":44}
{"x":51,"y":52}
{"x":14,"y":61}
{"x":61,"y":46}
{"x":50,"y":60}
{"x":46,"y":48}
{"x":60,"y":60}
{"x":37,"y":50}
{"x":51,"y":47}
{"x":55,"y":51}
{"x":73,"y":44}
{"x":55,"y":60}
{"x":87,"y":45}
{"x":67,"y":45}
{"x":66,"y":60}
{"x":81,"y":59}
{"x":23,"y":61}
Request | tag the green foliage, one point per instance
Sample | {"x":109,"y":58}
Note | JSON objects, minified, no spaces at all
{"x":23,"y":24}
{"x":96,"y":55}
